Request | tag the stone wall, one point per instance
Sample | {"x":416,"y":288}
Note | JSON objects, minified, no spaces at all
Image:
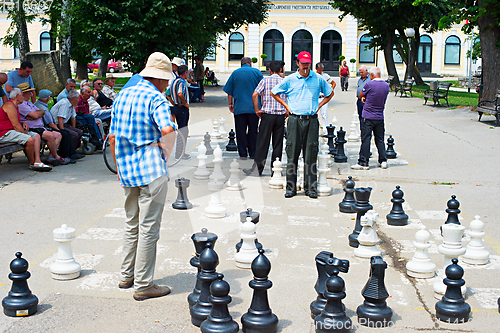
{"x":464,"y":82}
{"x":46,"y":73}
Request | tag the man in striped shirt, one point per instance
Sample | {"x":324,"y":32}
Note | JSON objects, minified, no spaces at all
{"x":272,"y":119}
{"x":180,"y":110}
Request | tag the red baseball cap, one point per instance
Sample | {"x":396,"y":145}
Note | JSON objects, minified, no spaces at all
{"x":304,"y":57}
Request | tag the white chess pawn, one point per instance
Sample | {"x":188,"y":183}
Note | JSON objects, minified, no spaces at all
{"x":300,"y":175}
{"x":202,"y":172}
{"x":65,"y":267}
{"x":215,"y":132}
{"x":355,"y":117}
{"x":451,"y":248}
{"x":218,"y":165}
{"x":421,"y":266}
{"x":323,"y":188}
{"x":215,"y":209}
{"x":353,"y":135}
{"x":277,"y":179}
{"x":334,"y":121}
{"x":475,"y":253}
{"x":368,"y":238}
{"x":222,"y":127}
{"x":248,"y":251}
{"x":234,"y":183}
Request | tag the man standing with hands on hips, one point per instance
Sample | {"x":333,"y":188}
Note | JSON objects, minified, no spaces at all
{"x":302,"y":89}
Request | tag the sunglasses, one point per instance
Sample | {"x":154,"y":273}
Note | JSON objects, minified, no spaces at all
{"x":99,"y":83}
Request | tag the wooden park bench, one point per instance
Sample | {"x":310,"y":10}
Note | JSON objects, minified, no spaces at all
{"x":7,"y":149}
{"x":389,"y":81}
{"x":437,"y":91}
{"x":490,"y":107}
{"x":405,"y":87}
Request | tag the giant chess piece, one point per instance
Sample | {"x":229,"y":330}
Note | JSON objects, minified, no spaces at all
{"x":333,"y":317}
{"x":390,"y":153}
{"x":200,"y":240}
{"x":208,"y":262}
{"x":451,"y":248}
{"x":182,"y":201}
{"x":323,"y":188}
{"x":20,"y":302}
{"x":361,"y":206}
{"x":397,"y":215}
{"x":368,"y":238}
{"x":374,"y":311}
{"x":222,"y":127}
{"x":276,"y":180}
{"x":331,"y":139}
{"x":346,"y":205}
{"x":453,"y":210}
{"x":421,"y":266}
{"x":334,"y":121}
{"x":355,"y":120}
{"x":231,"y":145}
{"x":260,"y":318}
{"x":452,"y":308}
{"x":326,"y":263}
{"x":215,"y":209}
{"x":218,"y":159}
{"x":248,"y":251}
{"x":353,"y":134}
{"x":206,"y":140}
{"x":65,"y":267}
{"x":234,"y":183}
{"x":202,"y":172}
{"x":254,"y":217}
{"x":475,"y":253}
{"x":219,"y":320}
{"x":215,"y":132}
{"x":340,"y":157}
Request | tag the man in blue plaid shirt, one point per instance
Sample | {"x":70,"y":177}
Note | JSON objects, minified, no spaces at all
{"x":141,"y":127}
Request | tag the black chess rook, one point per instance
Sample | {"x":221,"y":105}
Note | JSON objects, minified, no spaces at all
{"x":182,"y":201}
{"x":219,"y":320}
{"x":346,"y":205}
{"x":397,"y":215}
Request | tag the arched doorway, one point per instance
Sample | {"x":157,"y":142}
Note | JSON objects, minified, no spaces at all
{"x":301,"y":41}
{"x":273,"y":46}
{"x":331,"y":49}
{"x":424,"y":58}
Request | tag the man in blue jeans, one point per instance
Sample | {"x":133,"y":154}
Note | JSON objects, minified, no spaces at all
{"x":180,"y":110}
{"x":373,"y":95}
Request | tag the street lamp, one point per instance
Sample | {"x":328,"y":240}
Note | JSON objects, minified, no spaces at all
{"x":410,"y":33}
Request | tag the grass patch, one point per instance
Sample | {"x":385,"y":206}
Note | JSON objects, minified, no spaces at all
{"x":454,"y":83}
{"x":444,"y":183}
{"x":456,"y":98}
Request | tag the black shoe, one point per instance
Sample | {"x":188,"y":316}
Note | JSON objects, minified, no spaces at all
{"x":77,"y":156}
{"x":247,"y":172}
{"x":243,"y":157}
{"x":290,"y":194}
{"x":313,"y":195}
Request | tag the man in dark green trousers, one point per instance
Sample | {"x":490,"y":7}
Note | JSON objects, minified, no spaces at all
{"x":302,"y":89}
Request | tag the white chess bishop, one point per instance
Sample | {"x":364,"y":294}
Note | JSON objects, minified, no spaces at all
{"x":217,"y":173}
{"x":65,"y":267}
{"x":202,"y":172}
{"x":368,"y":238}
{"x":421,"y":266}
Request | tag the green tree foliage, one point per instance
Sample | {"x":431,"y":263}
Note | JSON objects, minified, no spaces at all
{"x":17,"y":33}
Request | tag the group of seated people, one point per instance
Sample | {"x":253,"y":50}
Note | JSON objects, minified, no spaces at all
{"x":27,"y":121}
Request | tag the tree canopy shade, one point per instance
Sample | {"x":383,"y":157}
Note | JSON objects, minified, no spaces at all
{"x":133,"y":29}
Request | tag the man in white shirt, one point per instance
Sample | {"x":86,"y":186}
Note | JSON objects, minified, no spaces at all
{"x":64,"y":113}
{"x":324,"y":109}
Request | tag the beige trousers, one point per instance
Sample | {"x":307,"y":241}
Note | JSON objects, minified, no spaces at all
{"x":143,"y":207}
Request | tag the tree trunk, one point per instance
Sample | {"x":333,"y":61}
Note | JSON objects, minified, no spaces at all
{"x":389,"y":59}
{"x":103,"y":66}
{"x":22,"y":32}
{"x":65,"y":41}
{"x":489,"y":33}
{"x":81,"y":71}
{"x":53,"y":33}
{"x":415,"y":45}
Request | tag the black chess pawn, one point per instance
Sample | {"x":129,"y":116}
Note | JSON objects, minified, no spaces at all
{"x":452,"y":308}
{"x":331,"y":139}
{"x":219,"y":320}
{"x":397,"y":215}
{"x":326,"y":263}
{"x":20,"y":302}
{"x":182,"y":201}
{"x":259,"y":317}
{"x":374,"y":311}
{"x":255,"y":216}
{"x":210,"y":150}
{"x":333,"y":317}
{"x":208,"y":262}
{"x":346,"y":205}
{"x":340,"y":156}
{"x":453,"y":210}
{"x":200,"y":240}
{"x":390,"y":153}
{"x":231,"y":145}
{"x":361,"y":206}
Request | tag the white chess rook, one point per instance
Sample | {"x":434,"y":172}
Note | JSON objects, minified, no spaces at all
{"x":215,"y":209}
{"x":451,"y":248}
{"x":368,"y":238}
{"x":234,"y":183}
{"x":323,"y":188}
{"x":475,"y":253}
{"x":248,"y":251}
{"x":65,"y":267}
{"x":421,"y":266}
{"x":276,"y":181}
{"x":202,"y":172}
{"x":222,"y":127}
{"x":218,"y":165}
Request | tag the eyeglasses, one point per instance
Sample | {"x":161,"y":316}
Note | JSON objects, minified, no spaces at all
{"x":99,"y":83}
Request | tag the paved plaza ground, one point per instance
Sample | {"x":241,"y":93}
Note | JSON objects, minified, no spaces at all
{"x":441,"y":152}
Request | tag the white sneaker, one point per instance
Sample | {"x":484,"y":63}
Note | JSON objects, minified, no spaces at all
{"x":383,"y":165}
{"x":359,"y":167}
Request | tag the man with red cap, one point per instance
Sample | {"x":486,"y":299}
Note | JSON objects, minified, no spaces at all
{"x":302,"y":89}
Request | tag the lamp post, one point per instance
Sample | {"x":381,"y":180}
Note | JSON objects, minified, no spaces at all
{"x":410,"y":33}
